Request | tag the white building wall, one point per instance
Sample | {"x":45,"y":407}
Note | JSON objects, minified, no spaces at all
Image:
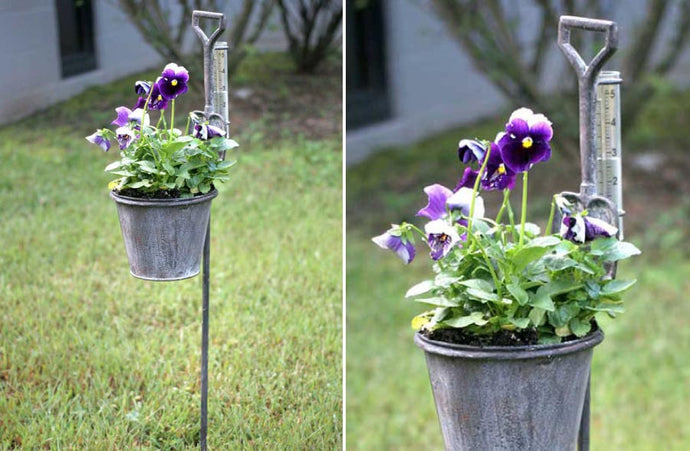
{"x":30,"y":72}
{"x":30,"y":47}
{"x":433,"y":85}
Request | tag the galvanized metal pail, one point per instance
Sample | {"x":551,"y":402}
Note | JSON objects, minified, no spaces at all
{"x":509,"y":398}
{"x":164,"y":238}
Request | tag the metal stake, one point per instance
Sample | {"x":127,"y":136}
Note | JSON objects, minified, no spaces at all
{"x":209,"y":112}
{"x":588,"y":197}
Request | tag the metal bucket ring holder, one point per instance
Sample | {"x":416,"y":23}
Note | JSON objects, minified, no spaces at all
{"x":600,"y":143}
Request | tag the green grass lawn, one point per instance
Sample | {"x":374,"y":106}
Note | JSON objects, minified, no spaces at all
{"x":641,"y":372}
{"x":92,"y":358}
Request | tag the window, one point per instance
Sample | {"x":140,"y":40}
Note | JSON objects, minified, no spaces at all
{"x":75,"y":27}
{"x":367,"y":94}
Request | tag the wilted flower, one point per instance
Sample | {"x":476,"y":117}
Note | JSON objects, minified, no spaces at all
{"x":470,"y":150}
{"x":441,"y":238}
{"x":580,"y":229}
{"x":173,"y":81}
{"x":98,"y":139}
{"x":525,"y":140}
{"x":394,"y":241}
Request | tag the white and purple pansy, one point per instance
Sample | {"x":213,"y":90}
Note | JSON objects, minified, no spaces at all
{"x":442,"y":199}
{"x":173,"y":81}
{"x":205,"y":131}
{"x":441,"y":238}
{"x":470,"y":150}
{"x":581,"y":229}
{"x":525,"y":140}
{"x":395,"y":241}
{"x":125,"y":135}
{"x":98,"y":139}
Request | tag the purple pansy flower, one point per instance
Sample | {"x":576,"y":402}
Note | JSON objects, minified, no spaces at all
{"x":403,"y":248}
{"x":436,"y":207}
{"x":441,"y":199}
{"x":461,"y":201}
{"x":441,"y":237}
{"x":125,"y":136}
{"x":470,"y":150}
{"x":99,"y":140}
{"x":497,"y":175}
{"x":157,"y":100}
{"x":173,"y":81}
{"x":469,"y":177}
{"x":526,"y":140}
{"x":122,"y":116}
{"x":207,"y":131}
{"x":580,"y":229}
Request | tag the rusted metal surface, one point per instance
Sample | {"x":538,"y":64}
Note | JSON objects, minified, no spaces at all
{"x":509,"y":398}
{"x":164,"y":237}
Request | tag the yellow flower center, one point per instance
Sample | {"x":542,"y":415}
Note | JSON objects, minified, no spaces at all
{"x":527,"y":142}
{"x":160,"y":97}
{"x":501,"y":169}
{"x":174,"y":82}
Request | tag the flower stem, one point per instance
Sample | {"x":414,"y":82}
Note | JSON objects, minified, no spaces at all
{"x":549,"y":223}
{"x":506,"y":194}
{"x":172,"y":116}
{"x":511,"y":219}
{"x":490,"y":266}
{"x":523,"y":213}
{"x":475,"y":189}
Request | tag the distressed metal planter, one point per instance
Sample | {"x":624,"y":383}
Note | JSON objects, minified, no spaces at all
{"x":164,"y":238}
{"x":509,"y":398}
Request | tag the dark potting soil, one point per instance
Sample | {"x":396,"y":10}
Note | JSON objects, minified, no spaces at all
{"x":520,"y":337}
{"x":168,"y":194}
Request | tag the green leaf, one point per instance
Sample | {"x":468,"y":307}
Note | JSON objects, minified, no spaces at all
{"x":608,"y":307}
{"x":482,"y":295}
{"x":464,"y":321}
{"x":518,"y":293}
{"x":537,"y":315}
{"x":478,"y":284}
{"x":542,"y":300}
{"x":420,"y":288}
{"x":580,"y":328}
{"x":610,"y":249}
{"x":445,"y":280}
{"x":562,"y":314}
{"x":563,"y":331}
{"x":112,"y":166}
{"x":617,"y":287}
{"x":521,"y":323}
{"x":522,"y":257}
{"x":437,"y":301}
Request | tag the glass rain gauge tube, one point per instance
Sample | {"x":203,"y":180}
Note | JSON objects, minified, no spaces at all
{"x":608,"y":127}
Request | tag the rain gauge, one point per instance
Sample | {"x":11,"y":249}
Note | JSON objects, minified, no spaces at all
{"x":608,"y":140}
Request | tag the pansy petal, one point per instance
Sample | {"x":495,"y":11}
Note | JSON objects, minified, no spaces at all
{"x":517,"y":128}
{"x":541,"y":131}
{"x":394,"y":243}
{"x":469,"y":177}
{"x":521,"y":113}
{"x":515,"y":157}
{"x":540,"y":151}
{"x":122,"y":116}
{"x":595,"y":228}
{"x":436,"y":208}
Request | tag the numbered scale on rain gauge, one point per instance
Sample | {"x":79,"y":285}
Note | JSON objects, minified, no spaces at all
{"x":608,"y":128}
{"x":220,"y":80}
